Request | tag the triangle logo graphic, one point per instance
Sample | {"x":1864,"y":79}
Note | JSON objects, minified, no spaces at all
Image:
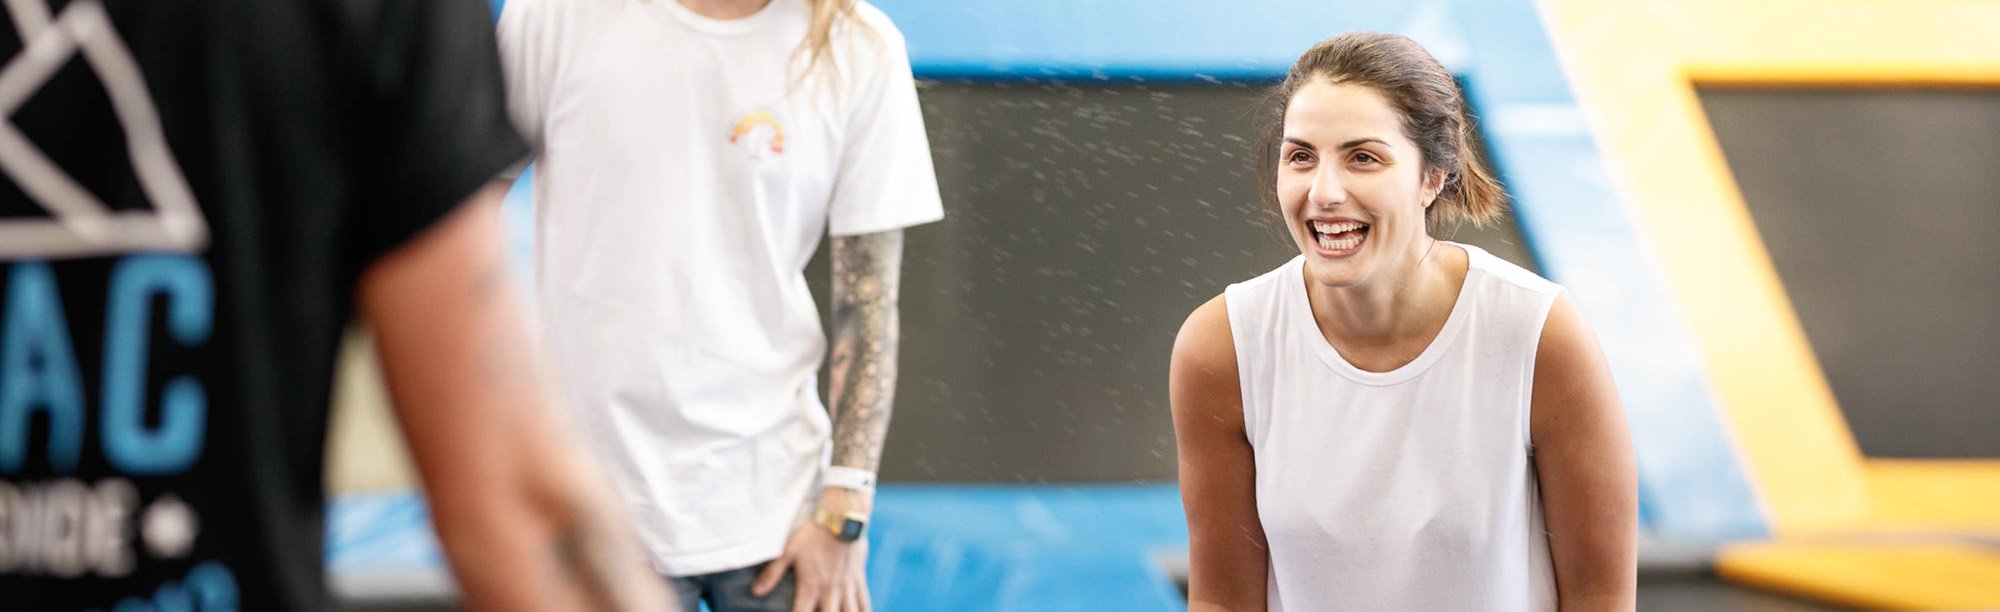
{"x":79,"y":225}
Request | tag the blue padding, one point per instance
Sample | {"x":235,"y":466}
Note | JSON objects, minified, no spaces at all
{"x":1132,"y":39}
{"x":380,"y":532}
{"x":517,"y":225}
{"x":1008,"y":548}
{"x":1005,"y":548}
{"x":1122,"y":40}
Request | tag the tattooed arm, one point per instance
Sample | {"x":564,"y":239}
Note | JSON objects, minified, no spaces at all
{"x":523,"y":517}
{"x":867,"y":274}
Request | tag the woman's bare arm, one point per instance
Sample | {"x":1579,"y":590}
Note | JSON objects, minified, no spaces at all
{"x":1228,"y":563}
{"x":1583,"y":457}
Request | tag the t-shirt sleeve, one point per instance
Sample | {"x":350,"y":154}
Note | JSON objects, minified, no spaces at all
{"x":528,"y":34}
{"x":885,"y":180}
{"x":432,"y":116}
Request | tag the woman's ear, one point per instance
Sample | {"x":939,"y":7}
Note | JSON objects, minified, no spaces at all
{"x":1434,"y":184}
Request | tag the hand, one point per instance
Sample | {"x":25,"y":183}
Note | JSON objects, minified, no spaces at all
{"x":831,"y":574}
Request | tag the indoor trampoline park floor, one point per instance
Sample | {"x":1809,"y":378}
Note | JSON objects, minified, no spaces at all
{"x":968,"y":547}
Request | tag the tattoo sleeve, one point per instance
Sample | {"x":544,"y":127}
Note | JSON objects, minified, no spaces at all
{"x":867,"y":272}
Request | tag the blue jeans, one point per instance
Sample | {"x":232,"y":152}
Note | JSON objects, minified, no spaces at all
{"x":729,"y":591}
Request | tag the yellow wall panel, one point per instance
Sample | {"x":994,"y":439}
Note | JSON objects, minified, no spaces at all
{"x":1634,"y":65}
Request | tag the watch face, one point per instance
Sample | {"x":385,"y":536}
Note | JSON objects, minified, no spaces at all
{"x":850,"y":530}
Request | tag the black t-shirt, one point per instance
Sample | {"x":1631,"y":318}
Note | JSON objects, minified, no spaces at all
{"x":189,"y":190}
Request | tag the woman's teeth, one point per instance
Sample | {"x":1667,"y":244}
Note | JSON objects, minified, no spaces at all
{"x":1339,"y":235}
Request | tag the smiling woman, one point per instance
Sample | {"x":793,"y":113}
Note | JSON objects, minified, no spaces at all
{"x":1391,"y":421}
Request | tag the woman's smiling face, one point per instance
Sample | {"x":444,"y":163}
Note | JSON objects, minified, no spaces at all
{"x":1351,"y":186}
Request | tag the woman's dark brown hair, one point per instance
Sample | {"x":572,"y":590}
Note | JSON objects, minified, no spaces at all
{"x":1429,"y":100}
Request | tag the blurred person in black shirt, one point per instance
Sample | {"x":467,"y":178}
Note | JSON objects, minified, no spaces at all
{"x":195,"y":197}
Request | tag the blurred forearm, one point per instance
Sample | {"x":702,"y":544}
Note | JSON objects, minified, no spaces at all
{"x":524,"y":519}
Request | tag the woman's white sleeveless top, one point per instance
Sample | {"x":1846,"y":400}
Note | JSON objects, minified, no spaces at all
{"x":1407,"y":490}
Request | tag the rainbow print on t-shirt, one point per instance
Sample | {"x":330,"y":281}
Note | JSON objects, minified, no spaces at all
{"x":748,"y":124}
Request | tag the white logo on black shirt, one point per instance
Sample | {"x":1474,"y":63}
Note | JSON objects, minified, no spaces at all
{"x":78,"y":224}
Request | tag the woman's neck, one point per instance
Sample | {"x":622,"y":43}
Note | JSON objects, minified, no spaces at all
{"x":1407,"y":301}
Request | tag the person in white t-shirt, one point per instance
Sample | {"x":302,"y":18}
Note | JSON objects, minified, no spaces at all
{"x":692,"y":153}
{"x":1390,"y":421}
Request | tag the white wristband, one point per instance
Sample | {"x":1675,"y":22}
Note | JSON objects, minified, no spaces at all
{"x":855,"y":479}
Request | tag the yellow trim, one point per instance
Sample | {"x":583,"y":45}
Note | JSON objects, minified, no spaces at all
{"x":1634,"y":65}
{"x":1870,"y":575}
{"x":1927,"y":495}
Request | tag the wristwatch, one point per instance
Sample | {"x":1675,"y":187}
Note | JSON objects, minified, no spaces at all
{"x":844,"y":527}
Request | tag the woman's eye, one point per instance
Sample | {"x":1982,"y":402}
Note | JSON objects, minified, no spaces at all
{"x":1365,"y":157}
{"x":1298,"y":157}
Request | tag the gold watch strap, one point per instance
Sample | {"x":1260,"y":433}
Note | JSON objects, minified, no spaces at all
{"x":833,"y":521}
{"x":836,"y":523}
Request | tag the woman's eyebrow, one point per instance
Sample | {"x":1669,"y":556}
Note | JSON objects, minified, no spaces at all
{"x":1362,"y":141}
{"x":1345,"y":145}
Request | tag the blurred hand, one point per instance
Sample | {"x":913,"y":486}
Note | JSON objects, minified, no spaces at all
{"x":831,"y":575}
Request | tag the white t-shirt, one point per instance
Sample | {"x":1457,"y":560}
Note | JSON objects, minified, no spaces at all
{"x":685,"y":178}
{"x":1412,"y":489}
